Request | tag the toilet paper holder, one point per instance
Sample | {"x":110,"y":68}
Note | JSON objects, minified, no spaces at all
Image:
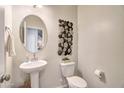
{"x":99,"y":73}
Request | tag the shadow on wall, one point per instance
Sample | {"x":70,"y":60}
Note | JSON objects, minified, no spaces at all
{"x":103,"y":79}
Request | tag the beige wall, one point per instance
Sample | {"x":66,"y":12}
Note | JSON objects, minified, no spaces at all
{"x":2,"y":64}
{"x":8,"y":59}
{"x":101,"y":44}
{"x":51,"y":76}
{"x":6,"y":66}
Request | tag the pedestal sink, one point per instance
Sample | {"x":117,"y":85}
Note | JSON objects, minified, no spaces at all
{"x":33,"y":67}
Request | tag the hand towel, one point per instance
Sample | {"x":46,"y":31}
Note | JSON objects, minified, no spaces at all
{"x":10,"y":44}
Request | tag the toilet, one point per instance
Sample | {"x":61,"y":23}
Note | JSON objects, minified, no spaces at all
{"x":67,"y":69}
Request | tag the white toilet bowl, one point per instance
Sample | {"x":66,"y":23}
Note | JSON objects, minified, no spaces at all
{"x":76,"y":82}
{"x":67,"y":69}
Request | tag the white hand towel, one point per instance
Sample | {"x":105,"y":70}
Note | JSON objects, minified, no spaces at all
{"x":10,"y":45}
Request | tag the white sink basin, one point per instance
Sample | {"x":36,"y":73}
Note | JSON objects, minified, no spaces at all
{"x":33,"y":66}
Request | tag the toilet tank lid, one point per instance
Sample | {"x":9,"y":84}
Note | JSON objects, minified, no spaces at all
{"x":67,"y":63}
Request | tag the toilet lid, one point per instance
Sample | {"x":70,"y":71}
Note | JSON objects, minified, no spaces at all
{"x":77,"y":81}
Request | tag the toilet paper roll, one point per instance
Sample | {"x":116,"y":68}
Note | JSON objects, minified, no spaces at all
{"x":98,"y":73}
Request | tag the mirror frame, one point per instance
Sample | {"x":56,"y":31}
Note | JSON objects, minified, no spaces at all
{"x":45,"y":34}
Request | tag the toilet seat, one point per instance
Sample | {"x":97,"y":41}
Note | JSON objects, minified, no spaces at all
{"x":76,"y":81}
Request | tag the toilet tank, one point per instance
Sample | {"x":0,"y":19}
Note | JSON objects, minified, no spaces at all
{"x":67,"y":68}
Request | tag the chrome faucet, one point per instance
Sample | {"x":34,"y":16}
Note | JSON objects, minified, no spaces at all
{"x":34,"y":57}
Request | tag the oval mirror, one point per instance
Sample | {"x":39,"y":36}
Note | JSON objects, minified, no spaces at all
{"x":33,"y":34}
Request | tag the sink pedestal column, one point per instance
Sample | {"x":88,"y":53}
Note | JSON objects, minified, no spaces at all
{"x":34,"y":79}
